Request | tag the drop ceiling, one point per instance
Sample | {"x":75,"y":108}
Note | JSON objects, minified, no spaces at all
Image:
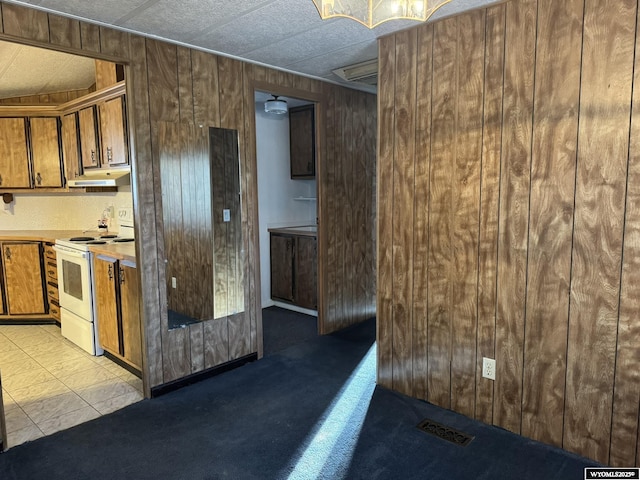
{"x":285,"y":34}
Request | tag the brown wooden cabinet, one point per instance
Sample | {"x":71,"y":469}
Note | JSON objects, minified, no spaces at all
{"x":23,"y":278}
{"x":51,"y":277}
{"x":113,"y":132}
{"x":302,"y":142}
{"x":45,"y":152}
{"x":88,"y":129}
{"x":294,"y":269}
{"x":117,"y":308}
{"x":14,"y":158}
{"x":71,"y":145}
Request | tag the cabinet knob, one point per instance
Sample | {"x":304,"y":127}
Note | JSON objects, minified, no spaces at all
{"x":109,"y":154}
{"x":121,"y":270}
{"x":93,"y":157}
{"x":0,"y":179}
{"x":7,"y":253}
{"x":39,"y":178}
{"x":110,"y":271}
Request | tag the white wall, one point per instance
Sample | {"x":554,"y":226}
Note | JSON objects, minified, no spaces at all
{"x":67,"y":211}
{"x":276,"y":190}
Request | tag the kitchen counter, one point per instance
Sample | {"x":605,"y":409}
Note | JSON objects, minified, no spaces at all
{"x":302,"y":230}
{"x":119,"y":251}
{"x":40,"y":235}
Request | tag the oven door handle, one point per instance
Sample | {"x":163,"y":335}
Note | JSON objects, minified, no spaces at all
{"x":69,"y":253}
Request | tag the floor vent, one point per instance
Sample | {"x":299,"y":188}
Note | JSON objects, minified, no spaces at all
{"x":447,"y":433}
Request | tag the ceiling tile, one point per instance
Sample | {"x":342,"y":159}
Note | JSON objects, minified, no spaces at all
{"x":106,"y":11}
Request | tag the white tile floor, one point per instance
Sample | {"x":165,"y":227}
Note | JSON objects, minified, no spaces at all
{"x":50,"y":384}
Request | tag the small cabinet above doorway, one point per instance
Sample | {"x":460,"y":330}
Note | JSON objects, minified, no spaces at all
{"x":302,"y":135}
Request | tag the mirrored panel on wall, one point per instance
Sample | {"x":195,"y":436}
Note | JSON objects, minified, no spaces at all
{"x":202,"y":222}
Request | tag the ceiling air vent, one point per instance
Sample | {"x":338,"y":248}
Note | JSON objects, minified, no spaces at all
{"x":365,"y":73}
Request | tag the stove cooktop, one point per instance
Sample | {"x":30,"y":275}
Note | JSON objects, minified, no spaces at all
{"x":84,"y":242}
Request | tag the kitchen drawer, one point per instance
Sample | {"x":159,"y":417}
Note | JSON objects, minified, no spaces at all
{"x":54,"y":310}
{"x":51,"y":270}
{"x":52,"y":291}
{"x":49,"y":252}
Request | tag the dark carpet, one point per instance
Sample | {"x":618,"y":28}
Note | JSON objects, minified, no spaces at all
{"x":310,"y":411}
{"x":284,"y":328}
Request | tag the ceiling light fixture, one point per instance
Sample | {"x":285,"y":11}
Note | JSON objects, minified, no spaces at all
{"x":273,"y":105}
{"x":372,"y":13}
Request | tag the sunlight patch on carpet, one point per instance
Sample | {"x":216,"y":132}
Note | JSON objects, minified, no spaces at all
{"x":329,"y":448}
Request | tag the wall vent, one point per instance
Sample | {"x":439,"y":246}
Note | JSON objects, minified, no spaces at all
{"x":446,"y":433}
{"x":365,"y":73}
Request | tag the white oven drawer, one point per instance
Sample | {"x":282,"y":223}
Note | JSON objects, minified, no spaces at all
{"x":80,"y":332}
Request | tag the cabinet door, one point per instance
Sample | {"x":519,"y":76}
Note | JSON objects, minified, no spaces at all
{"x":112,"y":131}
{"x":282,"y":267}
{"x":71,"y":145}
{"x":306,"y":272}
{"x":23,"y":278}
{"x":88,"y":137}
{"x":45,"y":152}
{"x":129,"y":295}
{"x":105,"y":276}
{"x":14,"y":160}
{"x":302,"y":142}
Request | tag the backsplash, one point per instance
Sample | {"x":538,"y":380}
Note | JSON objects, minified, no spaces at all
{"x":72,"y":211}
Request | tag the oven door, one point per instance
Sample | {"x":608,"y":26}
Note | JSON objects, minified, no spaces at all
{"x":74,"y":281}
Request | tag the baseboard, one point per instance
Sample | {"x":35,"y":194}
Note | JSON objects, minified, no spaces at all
{"x":199,"y":376}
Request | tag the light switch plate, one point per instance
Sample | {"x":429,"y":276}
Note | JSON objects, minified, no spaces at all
{"x":226,"y":215}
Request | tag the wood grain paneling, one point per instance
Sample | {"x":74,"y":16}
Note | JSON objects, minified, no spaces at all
{"x":532,"y":144}
{"x":466,"y":203}
{"x":489,"y":202}
{"x":90,"y":41}
{"x":440,"y":211}
{"x":64,"y":31}
{"x":25,"y":23}
{"x":424,"y":74}
{"x":403,"y":191}
{"x":626,"y":394}
{"x":605,"y":104}
{"x":514,"y":211}
{"x":555,"y":133}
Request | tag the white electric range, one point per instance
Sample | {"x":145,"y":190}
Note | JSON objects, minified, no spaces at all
{"x":75,"y":285}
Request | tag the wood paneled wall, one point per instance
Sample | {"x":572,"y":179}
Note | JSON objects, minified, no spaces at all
{"x":509,"y":220}
{"x":174,"y":84}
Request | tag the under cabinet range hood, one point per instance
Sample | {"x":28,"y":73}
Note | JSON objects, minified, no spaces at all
{"x":102,"y":178}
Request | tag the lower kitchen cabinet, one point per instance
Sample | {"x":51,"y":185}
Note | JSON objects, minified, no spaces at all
{"x":117,"y":314}
{"x":23,"y":278}
{"x":294,"y":269}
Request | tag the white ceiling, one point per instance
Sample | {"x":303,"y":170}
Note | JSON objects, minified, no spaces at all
{"x":286,"y":34}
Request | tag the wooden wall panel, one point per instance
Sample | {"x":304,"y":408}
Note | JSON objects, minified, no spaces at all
{"x":607,"y":77}
{"x":489,"y":203}
{"x":424,"y":73}
{"x":443,"y":126}
{"x":403,"y":191}
{"x":626,"y":394}
{"x":555,"y":133}
{"x":185,"y":85}
{"x":466,"y":206}
{"x":90,"y":40}
{"x":543,"y":185}
{"x":206,"y":107}
{"x":114,"y":42}
{"x":25,"y":23}
{"x":64,"y":31}
{"x":514,"y":215}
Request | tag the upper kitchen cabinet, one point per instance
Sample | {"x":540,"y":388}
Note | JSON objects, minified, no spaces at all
{"x":302,"y":142}
{"x":113,"y":132}
{"x":14,"y":160}
{"x":71,"y":144}
{"x":88,"y":130}
{"x":45,"y":152}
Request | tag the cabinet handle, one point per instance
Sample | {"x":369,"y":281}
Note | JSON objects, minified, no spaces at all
{"x":39,"y":178}
{"x":7,"y":253}
{"x":121,"y":276}
{"x":0,"y":179}
{"x":51,"y":293}
{"x":110,"y":272}
{"x":93,"y":157}
{"x":109,"y":154}
{"x":51,"y":272}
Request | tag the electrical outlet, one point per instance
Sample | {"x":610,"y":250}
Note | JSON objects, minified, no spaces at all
{"x":489,"y":368}
{"x":173,"y":282}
